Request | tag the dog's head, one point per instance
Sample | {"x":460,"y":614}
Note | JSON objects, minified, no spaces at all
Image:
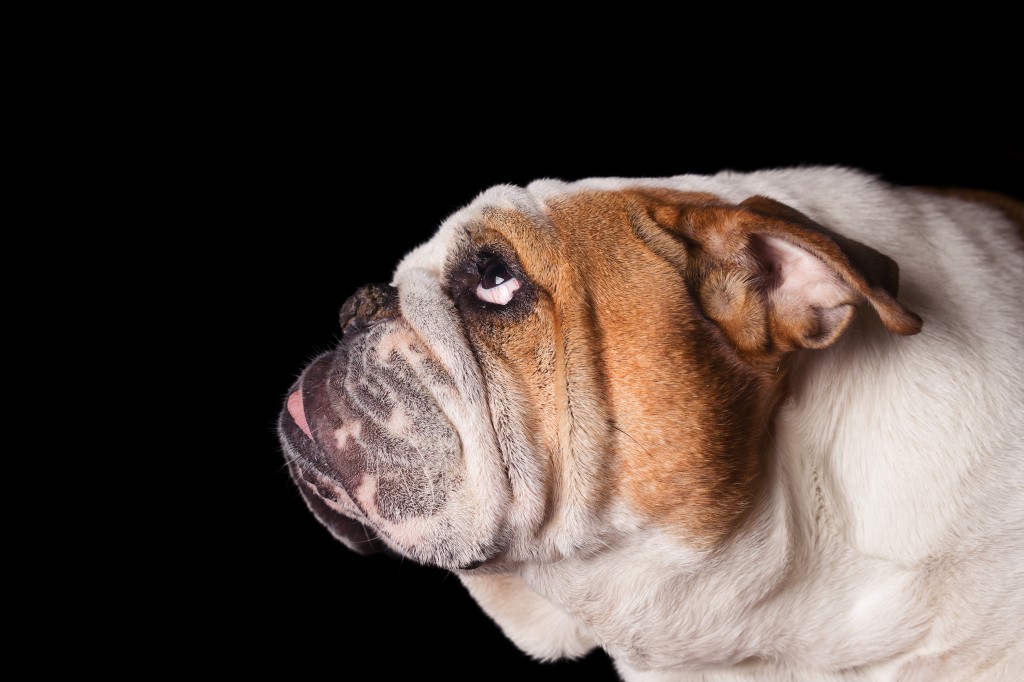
{"x":562,"y":364}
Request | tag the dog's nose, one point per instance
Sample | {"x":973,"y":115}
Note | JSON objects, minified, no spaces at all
{"x":371,"y":303}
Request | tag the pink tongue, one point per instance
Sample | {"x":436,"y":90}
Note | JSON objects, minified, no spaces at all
{"x":295,"y":410}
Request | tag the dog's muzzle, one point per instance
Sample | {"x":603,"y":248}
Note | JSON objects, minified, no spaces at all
{"x":307,"y":417}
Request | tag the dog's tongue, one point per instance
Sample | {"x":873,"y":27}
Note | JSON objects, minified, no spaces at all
{"x":295,"y":410}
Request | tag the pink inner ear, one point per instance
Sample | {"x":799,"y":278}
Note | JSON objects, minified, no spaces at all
{"x":799,"y":277}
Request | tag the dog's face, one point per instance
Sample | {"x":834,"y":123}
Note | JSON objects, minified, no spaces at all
{"x":561,"y":365}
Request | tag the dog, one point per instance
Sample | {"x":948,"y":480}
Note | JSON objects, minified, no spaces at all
{"x":746,"y":426}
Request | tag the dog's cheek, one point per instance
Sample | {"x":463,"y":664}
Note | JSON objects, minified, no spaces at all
{"x":518,"y":365}
{"x":401,"y":453}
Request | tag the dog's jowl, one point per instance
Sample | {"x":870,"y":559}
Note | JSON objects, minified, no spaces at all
{"x":761,"y":426}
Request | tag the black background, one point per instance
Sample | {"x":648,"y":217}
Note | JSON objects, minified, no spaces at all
{"x":191,"y":191}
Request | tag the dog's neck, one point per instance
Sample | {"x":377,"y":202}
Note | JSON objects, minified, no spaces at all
{"x":768,"y":592}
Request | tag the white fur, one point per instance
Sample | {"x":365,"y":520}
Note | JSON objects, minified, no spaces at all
{"x":477,"y":510}
{"x":890,"y":545}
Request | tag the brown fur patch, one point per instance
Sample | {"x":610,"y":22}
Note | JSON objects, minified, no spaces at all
{"x":652,"y":362}
{"x":728,"y":297}
{"x":673,"y":387}
{"x":544,"y":360}
{"x":1012,"y":208}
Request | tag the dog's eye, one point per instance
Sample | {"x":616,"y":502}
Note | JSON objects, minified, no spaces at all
{"x":497,"y":285}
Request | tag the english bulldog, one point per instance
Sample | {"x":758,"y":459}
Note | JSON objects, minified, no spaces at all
{"x":748,"y":426}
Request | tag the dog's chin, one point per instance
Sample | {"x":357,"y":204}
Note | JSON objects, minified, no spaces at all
{"x":324,"y":496}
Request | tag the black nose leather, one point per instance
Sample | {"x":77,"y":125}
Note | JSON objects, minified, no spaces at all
{"x":371,"y":303}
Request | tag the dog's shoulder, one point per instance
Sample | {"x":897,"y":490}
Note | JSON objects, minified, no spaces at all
{"x":912,"y":447}
{"x":909,"y":448}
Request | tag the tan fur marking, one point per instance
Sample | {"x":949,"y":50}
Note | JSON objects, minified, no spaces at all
{"x":544,"y":359}
{"x":655,"y":356}
{"x":1011,"y":207}
{"x":673,"y":384}
{"x":727,"y":298}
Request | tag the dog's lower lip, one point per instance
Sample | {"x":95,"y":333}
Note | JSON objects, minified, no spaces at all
{"x":297,"y":413}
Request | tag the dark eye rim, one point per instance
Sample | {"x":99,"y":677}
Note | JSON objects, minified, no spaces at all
{"x":464,"y":268}
{"x":464,"y":277}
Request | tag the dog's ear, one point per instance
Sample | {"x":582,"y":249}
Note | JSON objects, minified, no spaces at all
{"x":773,"y":280}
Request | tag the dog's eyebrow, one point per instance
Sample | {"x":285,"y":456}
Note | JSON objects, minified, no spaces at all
{"x":527,"y":239}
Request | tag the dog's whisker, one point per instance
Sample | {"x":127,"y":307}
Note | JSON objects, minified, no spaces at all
{"x":638,"y":444}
